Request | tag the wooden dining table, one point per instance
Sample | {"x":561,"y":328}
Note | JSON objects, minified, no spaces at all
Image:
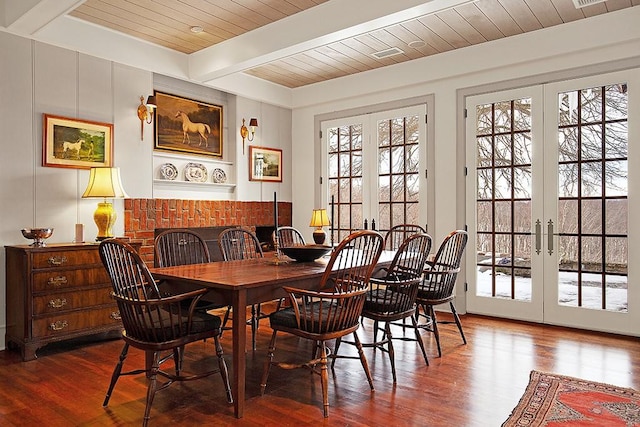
{"x":241,"y":284}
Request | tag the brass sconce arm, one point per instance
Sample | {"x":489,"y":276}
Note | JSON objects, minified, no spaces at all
{"x":145,"y":113}
{"x":245,"y":133}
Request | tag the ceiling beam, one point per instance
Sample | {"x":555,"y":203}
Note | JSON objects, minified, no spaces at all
{"x":27,"y":17}
{"x":326,"y":23}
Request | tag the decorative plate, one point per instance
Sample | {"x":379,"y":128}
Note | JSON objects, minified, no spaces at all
{"x":219,"y":176}
{"x":195,"y":172}
{"x":168,"y":171}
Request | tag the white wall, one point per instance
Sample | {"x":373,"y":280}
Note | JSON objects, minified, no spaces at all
{"x":598,"y":44}
{"x":39,"y":78}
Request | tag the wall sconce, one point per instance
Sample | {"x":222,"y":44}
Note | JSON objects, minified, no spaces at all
{"x":244,"y":132}
{"x":104,"y":183}
{"x":145,"y":112}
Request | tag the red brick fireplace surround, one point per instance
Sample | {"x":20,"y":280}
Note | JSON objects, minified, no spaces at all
{"x":143,"y":216}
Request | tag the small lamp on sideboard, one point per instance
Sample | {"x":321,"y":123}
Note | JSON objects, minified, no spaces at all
{"x":104,"y":182}
{"x":319,"y":219}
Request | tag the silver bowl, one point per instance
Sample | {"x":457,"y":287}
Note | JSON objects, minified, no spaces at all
{"x":37,"y":234}
{"x":306,"y":253}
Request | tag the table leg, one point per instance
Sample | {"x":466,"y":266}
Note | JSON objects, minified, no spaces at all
{"x":239,"y":303}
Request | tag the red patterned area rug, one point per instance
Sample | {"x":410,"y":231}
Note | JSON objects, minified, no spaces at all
{"x":556,"y":400}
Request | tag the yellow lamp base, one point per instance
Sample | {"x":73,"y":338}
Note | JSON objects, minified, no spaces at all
{"x":104,"y":217}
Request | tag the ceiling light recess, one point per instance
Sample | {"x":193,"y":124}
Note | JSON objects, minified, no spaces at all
{"x":417,"y":44}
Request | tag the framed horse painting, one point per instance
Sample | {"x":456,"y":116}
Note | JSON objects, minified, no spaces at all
{"x":187,"y":126}
{"x":74,"y":143}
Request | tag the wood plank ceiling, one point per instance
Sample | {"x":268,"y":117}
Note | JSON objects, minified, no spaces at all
{"x":168,"y":23}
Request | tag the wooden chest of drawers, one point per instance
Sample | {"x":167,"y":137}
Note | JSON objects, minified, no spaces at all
{"x":54,"y":293}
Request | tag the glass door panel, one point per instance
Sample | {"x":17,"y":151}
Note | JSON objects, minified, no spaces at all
{"x":503,"y":132}
{"x":591,"y":129}
{"x":549,"y":201}
{"x":373,"y":165}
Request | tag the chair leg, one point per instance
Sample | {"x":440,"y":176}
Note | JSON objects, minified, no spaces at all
{"x":116,"y":374}
{"x":335,"y":352}
{"x":436,"y":333}
{"x":457,"y":319}
{"x":151,"y":390}
{"x":363,"y":359}
{"x":324,"y":379}
{"x":178,"y":359}
{"x":267,"y":362}
{"x":392,"y":358}
{"x":225,"y":320}
{"x":255,"y":312}
{"x":222,"y":366}
{"x":375,"y":333}
{"x":419,"y":339}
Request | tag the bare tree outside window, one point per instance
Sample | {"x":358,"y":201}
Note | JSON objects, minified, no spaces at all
{"x":592,"y":188}
{"x":397,"y":175}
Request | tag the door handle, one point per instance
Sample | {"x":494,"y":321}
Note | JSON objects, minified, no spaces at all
{"x":538,"y":237}
{"x":550,"y":237}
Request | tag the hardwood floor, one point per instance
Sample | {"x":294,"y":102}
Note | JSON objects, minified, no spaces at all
{"x":471,"y":385}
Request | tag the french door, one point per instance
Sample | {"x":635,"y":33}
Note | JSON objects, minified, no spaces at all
{"x":375,"y":167}
{"x":549,"y":196}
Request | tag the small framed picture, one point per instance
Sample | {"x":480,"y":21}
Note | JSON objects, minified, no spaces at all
{"x":74,"y":143}
{"x":187,"y":126}
{"x":265,"y":164}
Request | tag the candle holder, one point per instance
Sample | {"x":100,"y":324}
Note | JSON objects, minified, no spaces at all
{"x":276,"y":246}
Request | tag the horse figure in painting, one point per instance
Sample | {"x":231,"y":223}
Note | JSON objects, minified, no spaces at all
{"x":70,"y":147}
{"x":202,"y":129}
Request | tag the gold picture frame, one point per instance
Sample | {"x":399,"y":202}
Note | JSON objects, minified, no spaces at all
{"x":75,"y":143}
{"x":265,"y":164}
{"x":187,"y":126}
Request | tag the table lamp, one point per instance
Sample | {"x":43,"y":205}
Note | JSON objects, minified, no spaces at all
{"x":104,"y":183}
{"x":319,"y":219}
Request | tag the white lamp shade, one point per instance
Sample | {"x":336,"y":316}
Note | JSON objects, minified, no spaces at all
{"x":105,"y":183}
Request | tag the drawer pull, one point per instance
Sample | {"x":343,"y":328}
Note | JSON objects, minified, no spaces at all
{"x":58,"y":325}
{"x":115,"y":315}
{"x":57,"y":281}
{"x":57,"y":260}
{"x":58,"y":303}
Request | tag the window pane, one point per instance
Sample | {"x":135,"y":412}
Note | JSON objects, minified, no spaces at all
{"x":503,"y":216}
{"x":522,"y":114}
{"x":591,"y":104}
{"x":591,"y":216}
{"x":616,"y":178}
{"x":522,"y":216}
{"x":568,"y":180}
{"x":568,"y":144}
{"x":522,"y":148}
{"x":616,"y":135}
{"x":617,"y":216}
{"x":484,"y":219}
{"x":412,"y":190}
{"x":397,"y":160}
{"x":591,"y":254}
{"x":485,"y":151}
{"x":503,"y":150}
{"x":522,"y":183}
{"x":568,"y":216}
{"x":591,"y":142}
{"x":384,"y":161}
{"x":356,"y":190}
